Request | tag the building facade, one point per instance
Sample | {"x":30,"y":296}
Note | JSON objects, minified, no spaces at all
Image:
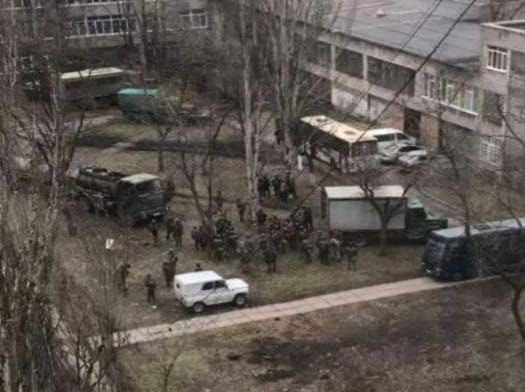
{"x":444,"y":74}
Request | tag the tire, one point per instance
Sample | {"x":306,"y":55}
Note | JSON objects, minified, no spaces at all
{"x":198,"y":307}
{"x":457,"y":277}
{"x":240,"y":300}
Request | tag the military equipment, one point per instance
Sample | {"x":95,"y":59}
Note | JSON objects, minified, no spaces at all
{"x":349,"y":210}
{"x":134,"y":198}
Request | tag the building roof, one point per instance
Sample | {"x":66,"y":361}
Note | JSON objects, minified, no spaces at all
{"x":337,"y":129}
{"x":198,"y":277}
{"x":91,"y":74}
{"x":355,"y":192}
{"x":138,"y":178}
{"x":402,"y":18}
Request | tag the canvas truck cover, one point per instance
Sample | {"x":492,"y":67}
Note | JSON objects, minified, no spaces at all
{"x":348,"y":210}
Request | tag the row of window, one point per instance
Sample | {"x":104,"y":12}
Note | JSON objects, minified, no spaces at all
{"x":102,"y":25}
{"x":119,"y":24}
{"x":451,"y":93}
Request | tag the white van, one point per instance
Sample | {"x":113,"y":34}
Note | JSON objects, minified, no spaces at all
{"x":390,"y":136}
{"x":196,"y":290}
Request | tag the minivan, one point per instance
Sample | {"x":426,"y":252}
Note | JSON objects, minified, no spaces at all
{"x":451,"y":255}
{"x":390,"y":136}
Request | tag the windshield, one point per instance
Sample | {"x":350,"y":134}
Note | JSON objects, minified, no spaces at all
{"x":402,"y":136}
{"x":434,"y":251}
{"x":148,"y":187}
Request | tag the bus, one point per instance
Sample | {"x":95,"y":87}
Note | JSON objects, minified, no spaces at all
{"x":90,"y":85}
{"x":336,"y":143}
{"x":451,"y":255}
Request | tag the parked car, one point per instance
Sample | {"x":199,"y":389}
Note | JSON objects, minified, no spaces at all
{"x":196,"y":290}
{"x":392,"y":153}
{"x":413,"y":160}
{"x":387,"y":137}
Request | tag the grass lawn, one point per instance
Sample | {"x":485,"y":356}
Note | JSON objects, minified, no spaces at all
{"x":458,"y":339}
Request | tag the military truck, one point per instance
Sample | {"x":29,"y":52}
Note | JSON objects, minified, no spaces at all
{"x":150,"y":106}
{"x":133,"y":198}
{"x":348,"y":210}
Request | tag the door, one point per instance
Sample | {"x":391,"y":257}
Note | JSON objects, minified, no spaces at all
{"x":221,"y":294}
{"x":412,"y":123}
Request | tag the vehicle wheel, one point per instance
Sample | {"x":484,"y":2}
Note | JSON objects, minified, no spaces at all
{"x":240,"y":300}
{"x":457,"y":276}
{"x":198,"y":307}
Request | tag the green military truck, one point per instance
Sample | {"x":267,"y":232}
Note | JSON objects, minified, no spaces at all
{"x":151,"y":106}
{"x":348,"y":210}
{"x":134,"y":198}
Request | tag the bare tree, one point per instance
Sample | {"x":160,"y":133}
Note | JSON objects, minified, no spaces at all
{"x":292,"y":29}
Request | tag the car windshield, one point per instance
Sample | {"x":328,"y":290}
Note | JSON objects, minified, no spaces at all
{"x":434,"y":251}
{"x":402,"y":136}
{"x":148,"y":187}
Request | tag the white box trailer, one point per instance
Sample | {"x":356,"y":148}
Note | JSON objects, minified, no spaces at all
{"x":349,"y":210}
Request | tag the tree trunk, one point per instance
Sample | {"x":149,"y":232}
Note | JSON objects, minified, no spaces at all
{"x":516,"y":300}
{"x":160,"y":159}
{"x":383,"y":233}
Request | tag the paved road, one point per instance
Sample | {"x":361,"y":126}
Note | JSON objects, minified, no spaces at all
{"x":286,"y":309}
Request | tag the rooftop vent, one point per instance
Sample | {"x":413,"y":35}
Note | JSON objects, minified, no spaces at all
{"x":380,"y":13}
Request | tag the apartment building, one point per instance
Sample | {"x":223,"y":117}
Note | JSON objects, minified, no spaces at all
{"x":109,"y":28}
{"x":454,"y":94}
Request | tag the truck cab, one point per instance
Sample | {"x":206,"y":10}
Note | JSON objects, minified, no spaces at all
{"x":141,"y":197}
{"x":419,"y":223}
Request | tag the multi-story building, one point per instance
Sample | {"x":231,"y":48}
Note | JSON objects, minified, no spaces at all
{"x":110,"y":29}
{"x":461,"y":76}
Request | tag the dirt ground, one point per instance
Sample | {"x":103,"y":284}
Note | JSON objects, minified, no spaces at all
{"x":294,"y":279}
{"x":454,"y":340}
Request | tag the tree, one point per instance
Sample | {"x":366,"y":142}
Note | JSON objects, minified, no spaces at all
{"x":245,"y":76}
{"x":292,"y":29}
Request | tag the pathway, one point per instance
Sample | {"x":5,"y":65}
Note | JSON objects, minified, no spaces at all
{"x":285,"y":309}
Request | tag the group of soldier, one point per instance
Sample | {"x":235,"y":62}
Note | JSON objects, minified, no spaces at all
{"x":276,"y":185}
{"x":334,"y":249}
{"x":174,"y":230}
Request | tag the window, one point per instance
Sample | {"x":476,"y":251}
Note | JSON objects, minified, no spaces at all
{"x":390,"y":76}
{"x":431,"y":87}
{"x":385,"y":138}
{"x":101,"y":25}
{"x":194,"y":19}
{"x":220,"y":284}
{"x":490,"y":150}
{"x":207,"y":286}
{"x":350,"y":63}
{"x":497,"y":59}
{"x":454,"y":94}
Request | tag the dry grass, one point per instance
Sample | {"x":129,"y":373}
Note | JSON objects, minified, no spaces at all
{"x":460,"y":339}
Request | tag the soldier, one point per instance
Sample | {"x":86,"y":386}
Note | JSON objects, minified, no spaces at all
{"x":150,"y":284}
{"x":198,"y":267}
{"x":154,"y":230}
{"x":195,"y":236}
{"x":306,"y":249}
{"x":241,"y":209}
{"x":270,"y":257}
{"x":169,"y":228}
{"x":244,"y":255}
{"x":265,"y":186}
{"x":351,"y":255}
{"x":323,"y":249}
{"x":178,"y":232}
{"x":261,"y":217}
{"x":122,"y":276}
{"x":169,"y":267}
{"x":335,"y":249}
{"x":276,"y":184}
